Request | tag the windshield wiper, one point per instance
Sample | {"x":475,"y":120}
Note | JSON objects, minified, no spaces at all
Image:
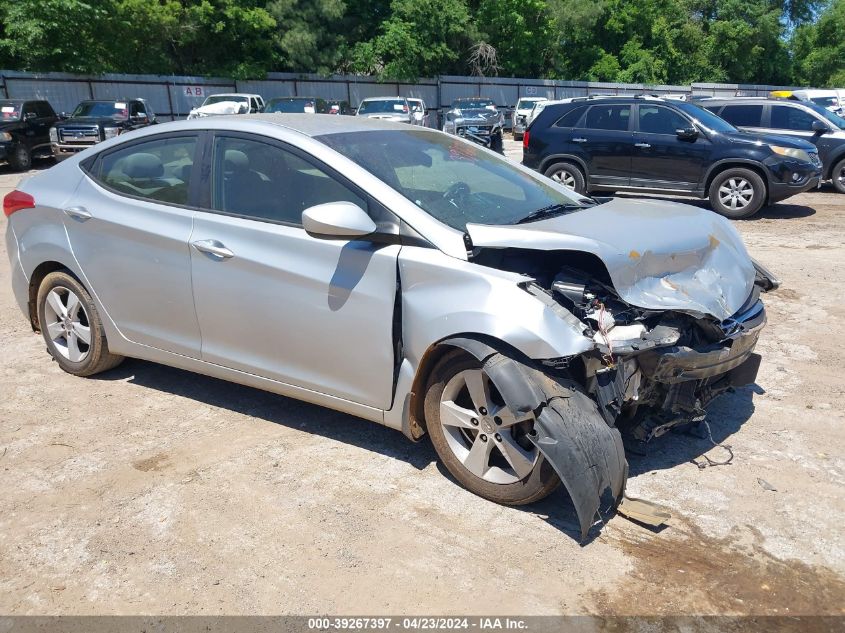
{"x":551,"y":210}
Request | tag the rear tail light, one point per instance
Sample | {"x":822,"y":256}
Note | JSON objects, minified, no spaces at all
{"x":525,"y":136}
{"x":17,"y":200}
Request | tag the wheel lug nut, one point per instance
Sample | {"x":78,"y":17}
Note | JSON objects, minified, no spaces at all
{"x":497,"y":420}
{"x":498,"y":437}
{"x":483,"y":437}
{"x":474,"y":422}
{"x":482,"y":411}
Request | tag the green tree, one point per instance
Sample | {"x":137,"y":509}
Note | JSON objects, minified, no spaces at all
{"x":819,"y":49}
{"x":522,"y":32}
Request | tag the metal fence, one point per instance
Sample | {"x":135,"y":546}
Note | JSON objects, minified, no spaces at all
{"x":172,"y":97}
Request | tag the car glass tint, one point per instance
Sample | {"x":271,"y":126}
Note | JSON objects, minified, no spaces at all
{"x":608,"y":117}
{"x":43,"y":110}
{"x":265,"y":182}
{"x":743,"y":115}
{"x":789,"y":118}
{"x":107,"y":109}
{"x":385,"y":105}
{"x":157,"y":170}
{"x":659,"y":120}
{"x":571,"y":118}
{"x":294,"y":104}
{"x":10,"y":111}
{"x":705,"y":118}
{"x":452,"y":180}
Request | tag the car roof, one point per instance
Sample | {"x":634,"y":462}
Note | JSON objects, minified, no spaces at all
{"x":745,"y":100}
{"x":292,"y":97}
{"x":316,"y":124}
{"x":235,"y":94}
{"x":382,"y":98}
{"x":472,"y":99}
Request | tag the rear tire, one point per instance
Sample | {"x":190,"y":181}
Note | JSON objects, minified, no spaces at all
{"x":837,"y":176}
{"x":737,"y":193}
{"x":494,"y":460}
{"x":71,"y":327}
{"x":21,"y":158}
{"x":569,"y":175}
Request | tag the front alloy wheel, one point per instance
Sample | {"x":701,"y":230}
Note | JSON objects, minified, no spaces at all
{"x":737,"y":193}
{"x":67,"y":324}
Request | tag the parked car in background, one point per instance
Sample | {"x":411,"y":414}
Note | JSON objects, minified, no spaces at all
{"x":655,"y":145}
{"x":798,"y":119}
{"x":477,"y":119}
{"x":25,"y":131}
{"x":494,"y":309}
{"x":94,"y":121}
{"x":519,"y":117}
{"x":387,"y":108}
{"x":307,"y":105}
{"x":336,"y":106}
{"x":829,"y":99}
{"x":229,"y":103}
{"x":419,"y":111}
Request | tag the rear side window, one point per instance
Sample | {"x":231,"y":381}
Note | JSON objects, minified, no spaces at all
{"x":788,"y":118}
{"x":743,"y":115}
{"x":660,"y":120}
{"x":571,"y":118}
{"x":43,"y":109}
{"x":157,"y":170}
{"x":608,"y":117}
{"x":262,"y":181}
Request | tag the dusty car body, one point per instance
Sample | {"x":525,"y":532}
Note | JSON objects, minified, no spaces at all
{"x":400,"y":275}
{"x":476,"y":119}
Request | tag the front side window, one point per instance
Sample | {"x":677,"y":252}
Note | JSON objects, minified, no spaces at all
{"x":660,"y":120}
{"x":156,"y":170}
{"x":743,"y":115}
{"x":608,"y":117}
{"x":452,"y":180}
{"x":789,"y":118}
{"x":263,"y":181}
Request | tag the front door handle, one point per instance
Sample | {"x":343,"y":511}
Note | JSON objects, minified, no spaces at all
{"x":579,"y":139}
{"x":78,"y":213}
{"x":643,"y":145}
{"x":213,"y":247}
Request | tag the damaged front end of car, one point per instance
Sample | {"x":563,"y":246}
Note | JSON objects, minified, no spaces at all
{"x":670,"y":303}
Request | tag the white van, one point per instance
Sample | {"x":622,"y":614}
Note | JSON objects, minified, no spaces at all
{"x":833,"y":100}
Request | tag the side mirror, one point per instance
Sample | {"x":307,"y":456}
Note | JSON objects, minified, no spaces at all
{"x":819,"y":127}
{"x":337,"y":221}
{"x":687,"y":133}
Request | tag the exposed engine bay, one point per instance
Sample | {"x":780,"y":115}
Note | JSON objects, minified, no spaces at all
{"x":650,"y":370}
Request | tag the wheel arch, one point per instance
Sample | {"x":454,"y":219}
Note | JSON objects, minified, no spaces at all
{"x":723,"y":166}
{"x":35,"y":279}
{"x":832,"y":162}
{"x":565,"y":158}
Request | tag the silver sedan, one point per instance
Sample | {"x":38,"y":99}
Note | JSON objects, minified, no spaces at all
{"x":400,"y":275}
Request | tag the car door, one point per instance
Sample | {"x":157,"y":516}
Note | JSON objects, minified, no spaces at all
{"x":272,"y":300}
{"x":605,"y":143}
{"x":129,"y":228}
{"x":661,"y":158}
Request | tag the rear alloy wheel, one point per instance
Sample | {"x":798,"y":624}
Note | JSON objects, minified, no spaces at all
{"x":567,"y":175}
{"x":737,"y":193}
{"x":72,"y":328}
{"x":837,"y":176}
{"x":21,"y":158}
{"x":479,"y":440}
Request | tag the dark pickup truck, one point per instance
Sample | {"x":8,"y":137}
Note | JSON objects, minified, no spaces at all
{"x":24,"y":131}
{"x":97,"y":120}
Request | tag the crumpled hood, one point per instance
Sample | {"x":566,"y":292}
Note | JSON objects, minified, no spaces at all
{"x":219,"y":108}
{"x":660,"y":255}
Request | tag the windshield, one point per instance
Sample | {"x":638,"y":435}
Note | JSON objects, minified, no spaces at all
{"x":222,"y":98}
{"x":113,"y":109}
{"x":452,"y":180}
{"x":525,"y":104}
{"x":294,"y":104}
{"x":837,"y":120}
{"x":827,"y":102}
{"x":705,"y":118}
{"x":472,"y":104}
{"x":383,"y":105}
{"x":416,"y":105}
{"x":10,"y":111}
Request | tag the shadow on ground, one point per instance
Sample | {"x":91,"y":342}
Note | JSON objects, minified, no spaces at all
{"x":779,"y":211}
{"x":725,"y":416}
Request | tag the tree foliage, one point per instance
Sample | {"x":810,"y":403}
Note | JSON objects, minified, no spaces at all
{"x":640,"y":41}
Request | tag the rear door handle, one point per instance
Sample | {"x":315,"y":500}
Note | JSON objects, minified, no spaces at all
{"x":78,"y":213}
{"x":579,"y":139}
{"x":213,"y":247}
{"x":643,"y":145}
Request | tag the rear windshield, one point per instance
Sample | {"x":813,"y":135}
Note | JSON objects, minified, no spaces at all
{"x":10,"y":111}
{"x":473,"y":104}
{"x":113,"y":109}
{"x":383,"y":105}
{"x":294,"y":104}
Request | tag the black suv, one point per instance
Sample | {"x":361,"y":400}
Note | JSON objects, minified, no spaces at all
{"x":647,"y":144}
{"x":24,"y":131}
{"x":97,"y":120}
{"x":798,"y":119}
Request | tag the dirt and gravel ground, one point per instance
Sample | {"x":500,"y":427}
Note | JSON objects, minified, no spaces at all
{"x":150,"y":490}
